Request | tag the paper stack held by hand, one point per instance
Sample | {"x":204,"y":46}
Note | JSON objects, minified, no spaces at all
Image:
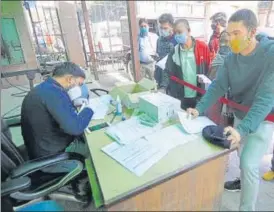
{"x":196,"y":125}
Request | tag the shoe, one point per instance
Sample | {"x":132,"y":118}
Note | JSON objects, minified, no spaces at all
{"x":233,"y":185}
{"x":268,"y":176}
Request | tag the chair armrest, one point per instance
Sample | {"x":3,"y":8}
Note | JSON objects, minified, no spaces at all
{"x":41,"y":163}
{"x":94,"y":90}
{"x":14,"y":121}
{"x":14,"y":185}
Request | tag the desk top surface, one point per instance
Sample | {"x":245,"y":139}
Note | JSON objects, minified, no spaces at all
{"x":116,"y":182}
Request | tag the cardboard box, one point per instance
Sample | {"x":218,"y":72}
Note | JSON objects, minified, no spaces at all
{"x":160,"y":107}
{"x":130,"y":92}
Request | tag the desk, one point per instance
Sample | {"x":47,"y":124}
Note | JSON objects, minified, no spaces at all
{"x":190,"y":177}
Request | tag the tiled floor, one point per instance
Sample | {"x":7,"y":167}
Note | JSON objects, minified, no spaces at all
{"x":230,"y":200}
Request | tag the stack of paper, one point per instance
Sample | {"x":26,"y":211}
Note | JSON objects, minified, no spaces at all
{"x":100,"y":106}
{"x":162,"y":63}
{"x":139,"y":155}
{"x":130,"y":130}
{"x":194,"y":125}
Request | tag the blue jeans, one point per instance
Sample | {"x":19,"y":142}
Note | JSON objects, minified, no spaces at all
{"x":252,"y":149}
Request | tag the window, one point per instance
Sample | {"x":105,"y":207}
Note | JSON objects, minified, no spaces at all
{"x":11,"y":49}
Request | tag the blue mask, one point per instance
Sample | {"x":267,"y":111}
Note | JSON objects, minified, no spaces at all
{"x":165,"y":33}
{"x":181,"y":38}
{"x":143,"y":31}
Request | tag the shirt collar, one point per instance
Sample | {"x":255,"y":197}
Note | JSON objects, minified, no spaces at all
{"x":54,"y":83}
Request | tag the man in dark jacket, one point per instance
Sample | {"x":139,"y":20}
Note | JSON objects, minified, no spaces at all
{"x":165,"y":43}
{"x":50,"y":122}
{"x":189,"y":58}
{"x":218,"y":24}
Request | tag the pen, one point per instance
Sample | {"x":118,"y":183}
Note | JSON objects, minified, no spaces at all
{"x":113,"y":118}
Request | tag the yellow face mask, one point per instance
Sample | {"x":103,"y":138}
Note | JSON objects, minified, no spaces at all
{"x":239,"y":44}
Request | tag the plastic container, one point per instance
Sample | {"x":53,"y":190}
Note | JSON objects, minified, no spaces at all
{"x":118,"y":106}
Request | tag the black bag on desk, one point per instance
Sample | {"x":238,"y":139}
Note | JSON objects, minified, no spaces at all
{"x":215,"y":135}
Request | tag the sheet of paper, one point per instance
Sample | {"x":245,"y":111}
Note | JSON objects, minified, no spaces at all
{"x":205,"y":80}
{"x":170,"y":137}
{"x":130,"y":130}
{"x":140,"y":155}
{"x":137,"y":156}
{"x":100,"y":107}
{"x":162,"y":63}
{"x":196,"y":125}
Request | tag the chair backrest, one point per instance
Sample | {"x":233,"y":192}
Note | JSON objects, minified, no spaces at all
{"x":10,"y":156}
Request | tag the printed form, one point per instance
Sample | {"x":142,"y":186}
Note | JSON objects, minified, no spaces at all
{"x":139,"y":155}
{"x":196,"y":125}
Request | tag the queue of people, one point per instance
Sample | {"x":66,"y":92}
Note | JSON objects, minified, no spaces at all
{"x":242,"y":66}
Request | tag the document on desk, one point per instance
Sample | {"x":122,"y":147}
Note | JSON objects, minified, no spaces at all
{"x":99,"y":107}
{"x":170,"y":137}
{"x":140,"y":155}
{"x":137,"y":156}
{"x":196,"y":125}
{"x":130,"y":130}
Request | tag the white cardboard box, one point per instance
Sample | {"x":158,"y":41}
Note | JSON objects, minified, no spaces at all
{"x":159,"y":106}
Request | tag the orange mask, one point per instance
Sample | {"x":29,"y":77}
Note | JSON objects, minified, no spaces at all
{"x":239,"y":44}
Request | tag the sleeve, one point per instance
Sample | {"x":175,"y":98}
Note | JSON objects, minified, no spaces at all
{"x":157,"y":45}
{"x":262,"y":104}
{"x":217,"y":88}
{"x":63,"y":111}
{"x":208,"y":61}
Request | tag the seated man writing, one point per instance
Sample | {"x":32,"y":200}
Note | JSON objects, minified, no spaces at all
{"x":50,"y":122}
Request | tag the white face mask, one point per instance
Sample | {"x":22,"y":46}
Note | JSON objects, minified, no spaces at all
{"x":75,"y":92}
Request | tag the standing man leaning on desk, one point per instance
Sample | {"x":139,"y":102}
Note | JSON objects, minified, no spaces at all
{"x":50,"y":122}
{"x":249,"y":73}
{"x":189,"y":58}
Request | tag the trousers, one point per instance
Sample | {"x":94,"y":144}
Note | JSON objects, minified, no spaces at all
{"x":77,"y":146}
{"x":251,"y":151}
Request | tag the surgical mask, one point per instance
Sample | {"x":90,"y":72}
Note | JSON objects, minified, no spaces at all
{"x":181,"y":38}
{"x":165,"y":33}
{"x":239,"y":44}
{"x":74,"y":92}
{"x":143,"y":31}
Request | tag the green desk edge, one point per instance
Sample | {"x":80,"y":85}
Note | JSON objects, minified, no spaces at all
{"x":96,"y":191}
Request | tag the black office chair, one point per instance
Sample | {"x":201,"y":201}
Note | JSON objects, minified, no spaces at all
{"x":23,"y":180}
{"x":97,"y":90}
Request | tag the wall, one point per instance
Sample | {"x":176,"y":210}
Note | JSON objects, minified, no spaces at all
{"x":69,"y":24}
{"x":14,"y":9}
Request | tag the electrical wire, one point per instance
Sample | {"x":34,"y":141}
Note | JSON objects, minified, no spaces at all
{"x":23,"y":93}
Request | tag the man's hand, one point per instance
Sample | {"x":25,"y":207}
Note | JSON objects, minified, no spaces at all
{"x":193,"y":112}
{"x":234,"y":136}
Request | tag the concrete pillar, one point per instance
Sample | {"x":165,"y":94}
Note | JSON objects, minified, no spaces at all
{"x":133,"y":33}
{"x":69,"y":24}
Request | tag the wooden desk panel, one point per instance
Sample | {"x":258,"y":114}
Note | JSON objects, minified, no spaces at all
{"x":199,"y":189}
